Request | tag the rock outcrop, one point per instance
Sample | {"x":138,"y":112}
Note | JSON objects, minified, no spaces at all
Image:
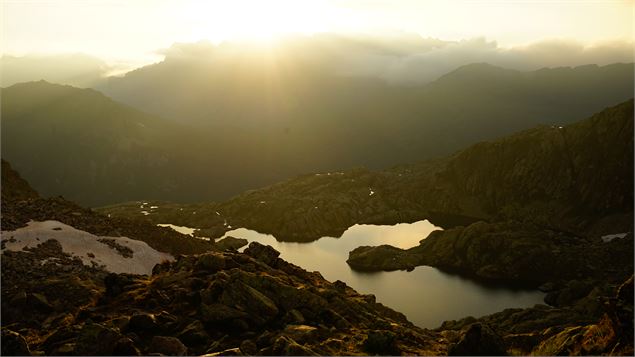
{"x":507,"y":251}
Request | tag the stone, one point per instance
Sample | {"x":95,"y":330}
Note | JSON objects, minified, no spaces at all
{"x":95,"y":339}
{"x":381,"y":342}
{"x":211,"y":261}
{"x":478,"y":340}
{"x":257,"y":305}
{"x":248,"y":347}
{"x":194,"y":334}
{"x":142,"y":322}
{"x":40,"y":302}
{"x":294,"y":316}
{"x":228,"y":352}
{"x":116,"y":283}
{"x":125,"y":347}
{"x":231,"y":243}
{"x":170,"y":346}
{"x":263,"y":253}
{"x":219,"y":313}
{"x":288,"y":347}
{"x":300,"y":333}
{"x":13,"y":344}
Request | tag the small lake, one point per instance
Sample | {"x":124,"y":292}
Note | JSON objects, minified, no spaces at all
{"x":425,"y":295}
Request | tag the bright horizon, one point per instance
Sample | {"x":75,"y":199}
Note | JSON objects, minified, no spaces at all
{"x":130,"y":34}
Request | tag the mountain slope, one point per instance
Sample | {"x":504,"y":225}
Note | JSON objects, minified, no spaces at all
{"x":76,"y":142}
{"x":291,"y":103}
{"x":237,"y":128}
{"x":577,"y":178}
{"x":93,"y":150}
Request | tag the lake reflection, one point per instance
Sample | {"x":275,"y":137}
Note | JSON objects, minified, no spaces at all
{"x":426,"y":295}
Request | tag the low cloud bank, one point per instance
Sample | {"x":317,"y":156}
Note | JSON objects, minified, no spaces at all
{"x":398,"y":58}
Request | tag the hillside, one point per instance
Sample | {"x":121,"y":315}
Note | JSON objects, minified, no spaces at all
{"x":576,"y":178}
{"x":93,"y":150}
{"x":334,"y":121}
{"x":216,"y":133}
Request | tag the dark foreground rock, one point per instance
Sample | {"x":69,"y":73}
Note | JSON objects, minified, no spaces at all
{"x":257,"y":304}
{"x":263,"y":305}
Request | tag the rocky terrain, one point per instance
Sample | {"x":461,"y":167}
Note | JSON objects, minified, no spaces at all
{"x":576,"y":179}
{"x":254,"y":303}
{"x":257,"y":304}
{"x":509,"y":251}
{"x":21,"y":204}
{"x":548,"y":209}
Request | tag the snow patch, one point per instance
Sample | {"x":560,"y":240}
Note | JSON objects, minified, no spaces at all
{"x":183,"y":230}
{"x":145,"y":213}
{"x":80,"y":244}
{"x":180,"y":229}
{"x":609,"y":237}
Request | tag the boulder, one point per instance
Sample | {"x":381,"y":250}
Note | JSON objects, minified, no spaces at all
{"x":263,"y":253}
{"x":194,"y":334}
{"x":211,"y":261}
{"x":95,"y":339}
{"x":142,"y":322}
{"x":13,"y":344}
{"x":248,"y":347}
{"x":381,"y":343}
{"x":125,"y":347}
{"x":478,"y":340}
{"x":300,"y":333}
{"x":288,"y":347}
{"x":169,"y":346}
{"x":39,"y":302}
{"x":116,"y":283}
{"x":259,"y":307}
{"x":219,"y":313}
{"x":231,"y":243}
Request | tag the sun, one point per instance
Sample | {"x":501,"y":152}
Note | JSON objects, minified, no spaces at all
{"x":256,"y":20}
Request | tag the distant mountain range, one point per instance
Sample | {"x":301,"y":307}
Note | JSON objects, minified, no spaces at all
{"x":215,"y":133}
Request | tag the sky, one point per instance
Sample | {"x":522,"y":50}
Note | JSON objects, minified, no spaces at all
{"x":135,"y":32}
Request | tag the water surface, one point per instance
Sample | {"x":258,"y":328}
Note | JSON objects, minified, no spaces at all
{"x":426,"y":295}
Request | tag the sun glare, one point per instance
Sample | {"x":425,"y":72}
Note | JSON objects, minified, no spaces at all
{"x":256,"y":20}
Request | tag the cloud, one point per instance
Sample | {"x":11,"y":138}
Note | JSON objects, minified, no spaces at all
{"x":403,"y":58}
{"x":427,"y":65}
{"x":399,"y":58}
{"x":75,"y":69}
